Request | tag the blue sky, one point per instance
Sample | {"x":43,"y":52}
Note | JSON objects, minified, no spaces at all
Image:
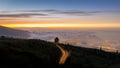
{"x":60,"y":12}
{"x":61,"y":4}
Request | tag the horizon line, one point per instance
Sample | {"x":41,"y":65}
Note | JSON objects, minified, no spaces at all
{"x":61,"y":25}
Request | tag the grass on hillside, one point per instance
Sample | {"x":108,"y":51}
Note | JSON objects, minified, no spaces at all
{"x":35,"y":53}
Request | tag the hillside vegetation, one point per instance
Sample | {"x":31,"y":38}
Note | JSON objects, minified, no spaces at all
{"x":35,"y":53}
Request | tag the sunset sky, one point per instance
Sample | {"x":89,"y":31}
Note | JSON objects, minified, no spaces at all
{"x":60,"y":13}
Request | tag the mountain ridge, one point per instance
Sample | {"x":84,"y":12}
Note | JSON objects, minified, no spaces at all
{"x":10,"y":32}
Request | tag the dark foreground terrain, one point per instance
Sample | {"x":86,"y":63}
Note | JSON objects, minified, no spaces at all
{"x":34,"y":53}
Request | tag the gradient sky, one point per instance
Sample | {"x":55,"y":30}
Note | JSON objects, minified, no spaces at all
{"x":60,"y":13}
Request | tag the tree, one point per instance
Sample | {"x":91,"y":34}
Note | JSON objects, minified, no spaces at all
{"x":56,"y":40}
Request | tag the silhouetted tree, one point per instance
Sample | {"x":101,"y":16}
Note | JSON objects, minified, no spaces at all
{"x":56,"y":40}
{"x":2,"y":37}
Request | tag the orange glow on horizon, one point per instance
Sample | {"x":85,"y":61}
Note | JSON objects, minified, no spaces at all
{"x":62,"y":25}
{"x":108,"y":48}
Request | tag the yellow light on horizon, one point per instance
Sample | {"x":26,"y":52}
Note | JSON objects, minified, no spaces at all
{"x":61,"y":25}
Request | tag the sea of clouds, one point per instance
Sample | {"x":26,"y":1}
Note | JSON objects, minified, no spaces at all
{"x":108,"y":39}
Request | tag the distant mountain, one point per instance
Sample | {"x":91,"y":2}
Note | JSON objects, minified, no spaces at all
{"x":10,"y":32}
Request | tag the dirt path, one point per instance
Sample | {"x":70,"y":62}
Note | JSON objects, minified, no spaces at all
{"x":64,"y":56}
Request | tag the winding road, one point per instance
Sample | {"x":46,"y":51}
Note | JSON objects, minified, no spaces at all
{"x":64,"y":56}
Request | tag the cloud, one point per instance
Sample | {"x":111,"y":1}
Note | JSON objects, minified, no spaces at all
{"x":78,"y":13}
{"x":113,"y":11}
{"x":64,"y":12}
{"x":49,"y":10}
{"x":42,"y":13}
{"x":49,"y":13}
{"x":21,"y":15}
{"x":7,"y":19}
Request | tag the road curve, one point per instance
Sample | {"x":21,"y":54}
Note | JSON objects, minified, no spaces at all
{"x":64,"y":56}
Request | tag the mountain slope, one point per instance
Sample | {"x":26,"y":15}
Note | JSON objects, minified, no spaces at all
{"x":5,"y":31}
{"x":33,"y":53}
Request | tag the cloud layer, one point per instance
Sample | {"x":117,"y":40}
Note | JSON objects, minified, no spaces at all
{"x":20,"y":15}
{"x":51,"y":13}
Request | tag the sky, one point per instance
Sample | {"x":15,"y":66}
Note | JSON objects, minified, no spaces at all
{"x":60,"y":13}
